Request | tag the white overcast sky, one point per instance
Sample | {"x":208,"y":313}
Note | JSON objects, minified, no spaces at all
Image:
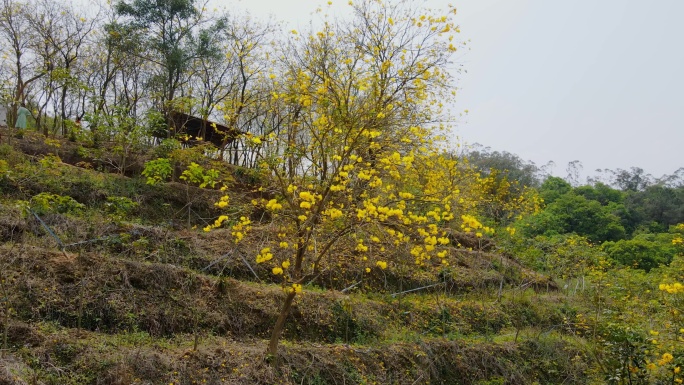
{"x":600,"y":81}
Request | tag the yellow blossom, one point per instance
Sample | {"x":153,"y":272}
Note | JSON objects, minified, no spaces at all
{"x":273,"y":205}
{"x":264,"y":255}
{"x":672,"y":288}
{"x":665,"y":359}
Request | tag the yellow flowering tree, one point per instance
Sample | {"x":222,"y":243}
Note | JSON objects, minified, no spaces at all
{"x":353,"y":146}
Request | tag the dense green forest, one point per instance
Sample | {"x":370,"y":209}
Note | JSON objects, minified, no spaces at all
{"x":332,"y":234}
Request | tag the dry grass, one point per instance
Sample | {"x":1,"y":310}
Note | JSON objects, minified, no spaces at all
{"x":148,"y":300}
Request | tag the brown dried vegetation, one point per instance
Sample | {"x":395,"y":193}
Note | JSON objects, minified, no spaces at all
{"x":141,"y":298}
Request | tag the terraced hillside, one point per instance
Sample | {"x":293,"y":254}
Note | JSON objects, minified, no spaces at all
{"x":106,"y":280}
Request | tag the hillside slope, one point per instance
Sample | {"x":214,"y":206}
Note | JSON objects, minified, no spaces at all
{"x":108,"y":281}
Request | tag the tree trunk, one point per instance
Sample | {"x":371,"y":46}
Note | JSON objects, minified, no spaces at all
{"x":66,"y":131}
{"x":280,"y":324}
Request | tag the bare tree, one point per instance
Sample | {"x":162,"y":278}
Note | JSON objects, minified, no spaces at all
{"x":68,"y":38}
{"x":230,"y":76}
{"x":23,"y":65}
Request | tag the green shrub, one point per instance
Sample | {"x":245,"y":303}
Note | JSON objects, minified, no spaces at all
{"x":46,"y":203}
{"x":644,"y":251}
{"x":158,"y":170}
{"x":166,"y":148}
{"x":197,"y":175}
{"x":120,"y":207}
